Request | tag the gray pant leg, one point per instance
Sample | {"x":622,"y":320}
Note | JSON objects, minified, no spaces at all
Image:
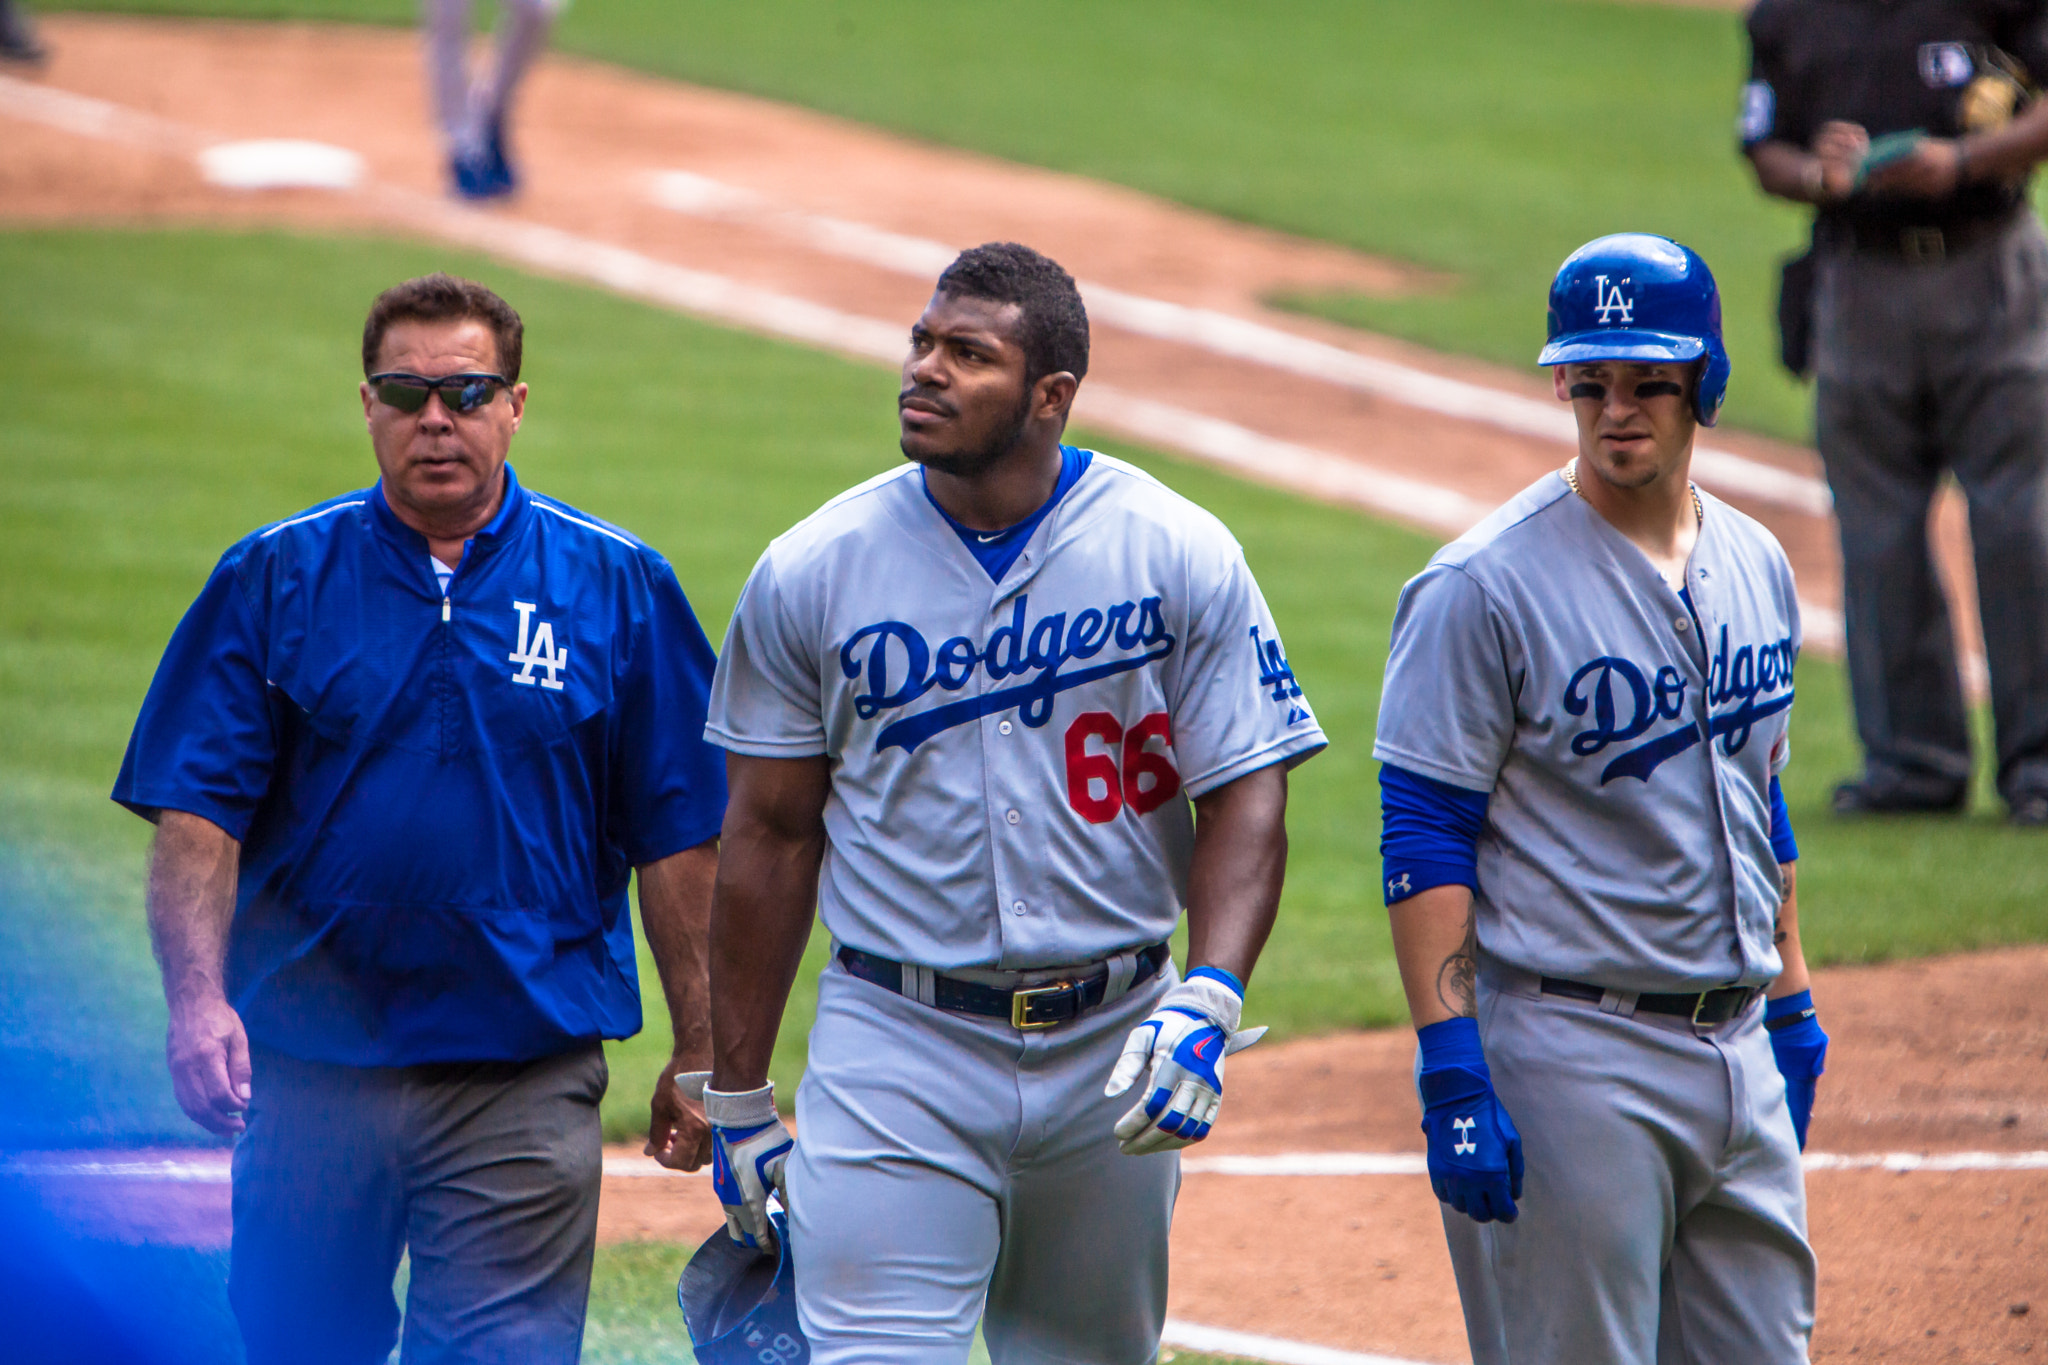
{"x":1083,"y":1271}
{"x":319,"y":1214}
{"x":1631,"y":1131}
{"x":446,"y":49}
{"x":1874,"y":424}
{"x":504,"y":1166}
{"x":1992,"y":383}
{"x":1741,"y":1278}
{"x":894,"y":1182}
{"x":944,"y":1164}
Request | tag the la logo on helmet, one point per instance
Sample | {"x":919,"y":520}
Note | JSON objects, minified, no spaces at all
{"x":1609,"y":302}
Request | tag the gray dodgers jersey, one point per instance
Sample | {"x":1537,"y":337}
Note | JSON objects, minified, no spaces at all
{"x":1540,"y":657}
{"x":1011,"y":763}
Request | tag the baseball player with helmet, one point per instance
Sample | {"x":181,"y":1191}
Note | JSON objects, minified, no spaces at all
{"x":999,"y":715}
{"x":1590,"y":871}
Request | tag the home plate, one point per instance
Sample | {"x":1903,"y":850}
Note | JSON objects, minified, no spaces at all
{"x":280,"y":164}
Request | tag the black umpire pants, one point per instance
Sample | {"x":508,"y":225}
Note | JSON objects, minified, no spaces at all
{"x":1926,"y":369}
{"x":487,"y":1171}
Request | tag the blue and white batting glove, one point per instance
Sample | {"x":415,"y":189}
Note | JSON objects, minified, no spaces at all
{"x":1184,"y":1042}
{"x":1801,"y":1050}
{"x":749,"y":1147}
{"x":1475,"y":1154}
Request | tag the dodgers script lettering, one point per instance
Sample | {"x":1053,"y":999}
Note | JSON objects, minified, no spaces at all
{"x":898,"y":665}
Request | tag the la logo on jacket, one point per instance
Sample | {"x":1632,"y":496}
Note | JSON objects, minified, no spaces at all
{"x":537,"y":650}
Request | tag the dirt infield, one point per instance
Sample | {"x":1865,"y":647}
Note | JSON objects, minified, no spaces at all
{"x":1932,"y":1057}
{"x":1943,"y":1055}
{"x":591,"y":140}
{"x":1936,"y":1057}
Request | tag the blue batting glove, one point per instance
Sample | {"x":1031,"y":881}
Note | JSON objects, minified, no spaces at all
{"x":1475,"y":1154}
{"x":1801,"y":1050}
{"x":749,"y":1148}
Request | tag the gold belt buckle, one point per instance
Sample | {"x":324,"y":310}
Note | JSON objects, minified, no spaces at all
{"x":1020,"y":1005}
{"x":1700,"y":1004}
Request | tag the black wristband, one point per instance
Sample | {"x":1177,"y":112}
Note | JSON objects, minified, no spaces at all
{"x":1788,"y":1020}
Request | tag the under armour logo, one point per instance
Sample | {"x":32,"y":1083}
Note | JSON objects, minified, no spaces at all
{"x":1609,"y":305}
{"x":1464,"y":1146}
{"x":1399,"y":886}
{"x":537,"y":651}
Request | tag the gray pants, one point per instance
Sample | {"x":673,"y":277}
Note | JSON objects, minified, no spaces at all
{"x":487,"y":1171}
{"x":949,"y":1168}
{"x":1926,"y":369}
{"x":1663,"y":1210}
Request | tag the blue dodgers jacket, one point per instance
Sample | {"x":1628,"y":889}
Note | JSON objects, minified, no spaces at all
{"x":440,"y":798}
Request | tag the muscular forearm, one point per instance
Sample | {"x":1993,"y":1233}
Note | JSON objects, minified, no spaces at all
{"x":190,"y":903}
{"x":1436,"y":950}
{"x":761,"y":908}
{"x":1239,"y":863}
{"x":675,"y":914}
{"x":1792,"y":978}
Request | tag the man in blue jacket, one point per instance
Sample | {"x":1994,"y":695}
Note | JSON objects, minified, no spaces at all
{"x":404,"y":754}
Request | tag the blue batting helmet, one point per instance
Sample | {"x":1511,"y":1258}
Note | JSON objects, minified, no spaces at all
{"x":1634,"y":296}
{"x":740,"y":1305}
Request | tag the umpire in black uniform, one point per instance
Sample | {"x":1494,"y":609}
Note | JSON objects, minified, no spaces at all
{"x":1930,"y":344}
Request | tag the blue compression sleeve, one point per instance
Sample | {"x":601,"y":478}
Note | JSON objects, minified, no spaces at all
{"x":1429,"y":833}
{"x":1783,"y":845}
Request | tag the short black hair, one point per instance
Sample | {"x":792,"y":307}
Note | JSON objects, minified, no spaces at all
{"x":1054,"y":328}
{"x":441,"y":297}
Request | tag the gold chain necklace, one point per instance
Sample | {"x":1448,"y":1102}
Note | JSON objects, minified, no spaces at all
{"x":1571,"y":478}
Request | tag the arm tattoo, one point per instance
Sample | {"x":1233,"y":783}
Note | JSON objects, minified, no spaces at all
{"x":1456,"y":979}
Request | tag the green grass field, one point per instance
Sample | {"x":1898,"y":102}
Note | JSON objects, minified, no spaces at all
{"x":174,"y":390}
{"x":1483,"y":138}
{"x":171,"y":391}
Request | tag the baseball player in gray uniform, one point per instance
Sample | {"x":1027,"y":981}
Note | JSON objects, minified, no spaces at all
{"x":1590,"y":872}
{"x":999,"y":714}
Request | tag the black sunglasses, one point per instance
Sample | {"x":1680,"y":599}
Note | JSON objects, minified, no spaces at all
{"x":463,"y":393}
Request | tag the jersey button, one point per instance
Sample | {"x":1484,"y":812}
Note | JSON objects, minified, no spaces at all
{"x":1681,"y":624}
{"x":1003,"y":728}
{"x":1013,"y":817}
{"x":1017,"y":907}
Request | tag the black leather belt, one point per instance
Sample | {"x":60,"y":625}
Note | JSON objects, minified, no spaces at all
{"x":1027,"y":1007}
{"x":1929,"y":243}
{"x":1703,"y":1007}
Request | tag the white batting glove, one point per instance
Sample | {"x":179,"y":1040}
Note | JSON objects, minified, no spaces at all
{"x":749,"y":1148}
{"x":1184,"y":1042}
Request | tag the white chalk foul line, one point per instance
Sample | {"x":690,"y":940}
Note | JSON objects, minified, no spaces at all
{"x":1412,"y":1163}
{"x":1226,"y":335}
{"x":1222,"y":1341}
{"x":1262,"y":458}
{"x":213,"y":1167}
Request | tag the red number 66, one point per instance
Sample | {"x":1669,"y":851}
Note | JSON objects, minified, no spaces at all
{"x":1094,"y":786}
